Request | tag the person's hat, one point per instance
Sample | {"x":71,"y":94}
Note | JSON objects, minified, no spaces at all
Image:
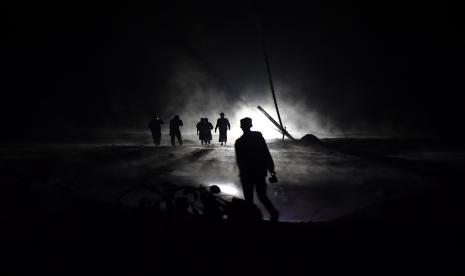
{"x":246,"y":122}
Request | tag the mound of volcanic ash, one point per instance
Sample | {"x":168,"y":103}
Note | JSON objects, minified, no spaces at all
{"x":309,"y":140}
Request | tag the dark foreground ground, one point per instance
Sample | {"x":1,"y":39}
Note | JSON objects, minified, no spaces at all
{"x":372,"y":206}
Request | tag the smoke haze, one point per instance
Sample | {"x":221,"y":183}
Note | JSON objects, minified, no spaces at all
{"x":339,"y":71}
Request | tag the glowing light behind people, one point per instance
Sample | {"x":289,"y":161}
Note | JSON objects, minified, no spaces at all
{"x":259,"y":121}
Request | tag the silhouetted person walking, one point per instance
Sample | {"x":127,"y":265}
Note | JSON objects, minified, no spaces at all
{"x":175,"y":123}
{"x":155,"y":128}
{"x":203,"y":130}
{"x":200,"y":130}
{"x":208,"y":129}
{"x":254,"y":161}
{"x":223,"y":124}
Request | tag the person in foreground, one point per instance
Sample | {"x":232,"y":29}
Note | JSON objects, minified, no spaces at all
{"x":254,"y":161}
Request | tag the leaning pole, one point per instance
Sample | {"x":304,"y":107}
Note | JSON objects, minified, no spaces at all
{"x":281,"y":129}
{"x":268,"y":71}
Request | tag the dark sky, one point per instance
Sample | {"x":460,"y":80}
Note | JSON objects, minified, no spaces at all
{"x":370,"y":67}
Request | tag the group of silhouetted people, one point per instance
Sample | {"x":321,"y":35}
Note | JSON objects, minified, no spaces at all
{"x":252,"y":154}
{"x":175,"y":132}
{"x":204,"y":131}
{"x":204,"y":128}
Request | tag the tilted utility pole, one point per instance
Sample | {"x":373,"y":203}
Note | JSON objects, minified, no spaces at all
{"x":281,"y":129}
{"x":268,"y":70}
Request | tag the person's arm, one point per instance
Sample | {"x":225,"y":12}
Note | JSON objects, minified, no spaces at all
{"x":229,"y":126}
{"x":216,"y":127}
{"x":180,"y":123}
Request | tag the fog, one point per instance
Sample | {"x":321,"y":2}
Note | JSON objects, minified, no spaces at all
{"x":193,"y":93}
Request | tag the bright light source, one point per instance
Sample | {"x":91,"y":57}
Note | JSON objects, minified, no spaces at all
{"x":259,"y":122}
{"x":228,"y":188}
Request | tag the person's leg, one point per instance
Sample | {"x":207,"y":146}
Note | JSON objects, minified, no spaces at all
{"x":157,"y":139}
{"x":179,"y":138}
{"x":247,"y":189}
{"x":154,"y":139}
{"x":260,"y":187}
{"x":172,"y":140}
{"x":222,"y":137}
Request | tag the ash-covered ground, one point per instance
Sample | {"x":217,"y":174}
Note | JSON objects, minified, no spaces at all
{"x":349,"y":188}
{"x":316,"y":182}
